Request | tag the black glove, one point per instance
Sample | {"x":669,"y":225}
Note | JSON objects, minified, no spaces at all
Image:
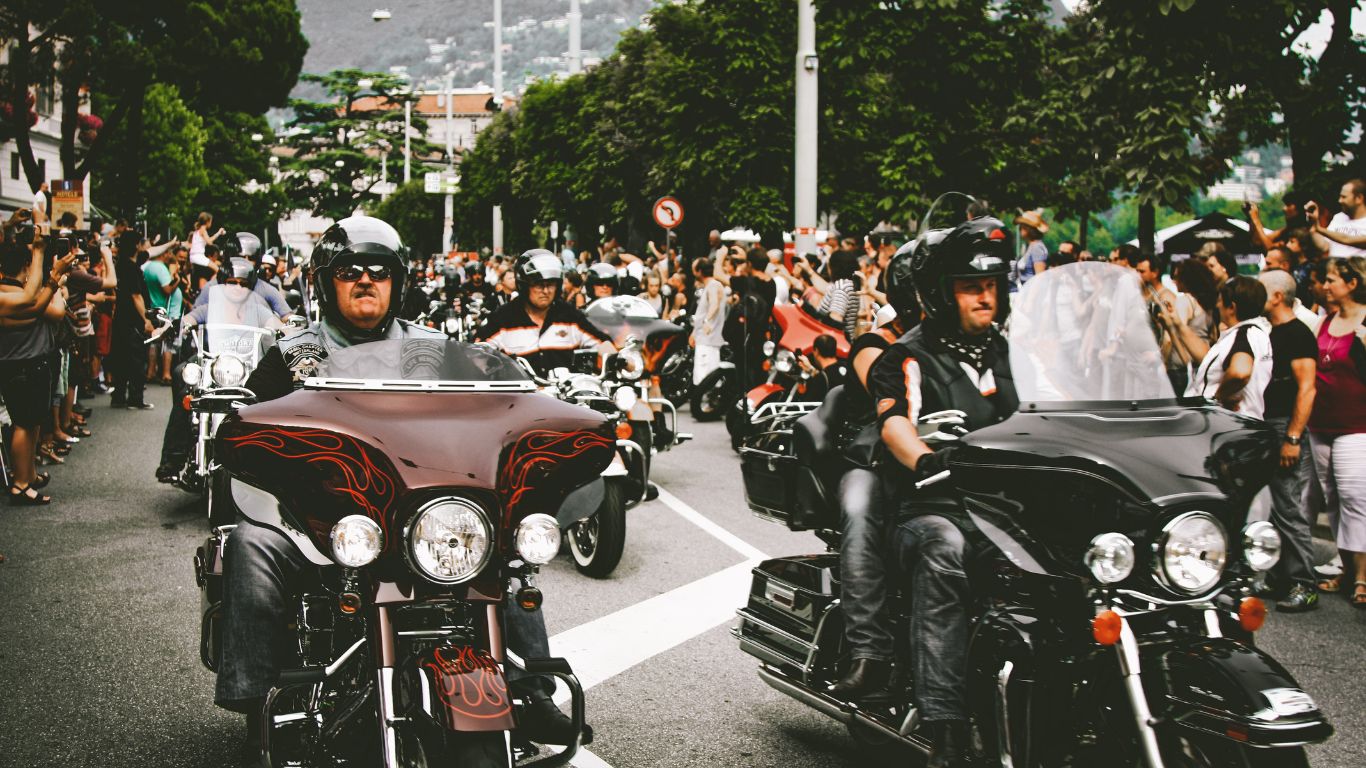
{"x":932,"y":464}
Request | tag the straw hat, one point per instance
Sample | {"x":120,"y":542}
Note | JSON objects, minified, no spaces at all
{"x":1033,"y":219}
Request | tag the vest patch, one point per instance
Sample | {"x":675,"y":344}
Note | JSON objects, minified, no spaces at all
{"x":303,"y":359}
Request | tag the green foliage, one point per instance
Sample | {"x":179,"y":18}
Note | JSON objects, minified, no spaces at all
{"x":234,"y":160}
{"x":416,"y":215}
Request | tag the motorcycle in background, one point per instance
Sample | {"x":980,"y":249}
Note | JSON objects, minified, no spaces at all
{"x":1111,"y":559}
{"x":423,"y":479}
{"x":664,"y":344}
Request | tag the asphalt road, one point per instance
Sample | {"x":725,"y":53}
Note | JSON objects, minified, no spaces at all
{"x":99,"y":626}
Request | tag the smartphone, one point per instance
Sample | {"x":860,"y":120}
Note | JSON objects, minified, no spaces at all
{"x":59,"y":245}
{"x":50,"y":257}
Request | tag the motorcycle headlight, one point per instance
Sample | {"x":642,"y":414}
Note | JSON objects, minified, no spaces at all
{"x":228,"y":371}
{"x":191,"y":374}
{"x":631,"y":364}
{"x":356,"y":540}
{"x":452,"y":325}
{"x":538,"y":538}
{"x":449,"y":540}
{"x":625,"y":398}
{"x":769,"y":348}
{"x":1192,"y":552}
{"x":784,"y":362}
{"x":1261,"y":545}
{"x":1110,"y":558}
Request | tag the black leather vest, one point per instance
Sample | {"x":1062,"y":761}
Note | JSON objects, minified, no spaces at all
{"x":944,"y":384}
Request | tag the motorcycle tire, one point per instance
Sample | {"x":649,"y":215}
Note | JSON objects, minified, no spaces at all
{"x":713,"y":395}
{"x":737,"y":426}
{"x":439,"y":748}
{"x":675,"y":377}
{"x":597,"y":542}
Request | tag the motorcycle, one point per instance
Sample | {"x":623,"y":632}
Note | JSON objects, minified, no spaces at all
{"x":220,"y":355}
{"x":423,"y":479}
{"x":619,"y":392}
{"x":798,"y":327}
{"x":1110,"y":558}
{"x":668,"y":358}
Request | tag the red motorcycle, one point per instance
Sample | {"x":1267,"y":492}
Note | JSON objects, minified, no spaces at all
{"x":421,"y":477}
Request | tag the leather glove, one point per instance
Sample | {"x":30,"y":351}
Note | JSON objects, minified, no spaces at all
{"x":932,"y":464}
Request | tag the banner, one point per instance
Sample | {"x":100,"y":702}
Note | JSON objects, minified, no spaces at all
{"x":68,"y":197}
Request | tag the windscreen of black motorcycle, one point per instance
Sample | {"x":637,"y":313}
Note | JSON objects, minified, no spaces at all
{"x":1082,"y":332}
{"x":426,"y":360}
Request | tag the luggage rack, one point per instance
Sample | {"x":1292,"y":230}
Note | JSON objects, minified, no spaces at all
{"x":783,"y":410}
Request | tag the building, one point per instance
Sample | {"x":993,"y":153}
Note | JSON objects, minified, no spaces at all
{"x":46,"y":139}
{"x":470,"y":115}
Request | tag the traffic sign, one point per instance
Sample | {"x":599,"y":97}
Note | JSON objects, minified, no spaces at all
{"x":441,"y":183}
{"x":668,"y":212}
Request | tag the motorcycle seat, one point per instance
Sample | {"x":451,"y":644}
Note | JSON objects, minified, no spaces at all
{"x":820,"y":464}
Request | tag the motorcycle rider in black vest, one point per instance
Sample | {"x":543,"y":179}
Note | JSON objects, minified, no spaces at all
{"x":358,"y":270}
{"x":956,"y":359}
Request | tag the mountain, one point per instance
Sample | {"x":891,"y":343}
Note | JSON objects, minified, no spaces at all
{"x":432,"y":37}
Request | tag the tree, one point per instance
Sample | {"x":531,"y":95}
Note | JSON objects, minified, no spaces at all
{"x":416,"y":214}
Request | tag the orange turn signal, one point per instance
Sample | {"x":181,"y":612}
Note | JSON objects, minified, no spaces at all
{"x":1252,"y":613}
{"x":768,"y":364}
{"x":1105,"y":627}
{"x":348,"y":602}
{"x":624,"y":430}
{"x":186,"y":402}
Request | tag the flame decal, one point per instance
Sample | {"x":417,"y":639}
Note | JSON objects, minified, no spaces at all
{"x":360,"y":479}
{"x":537,"y":453}
{"x":469,"y":684}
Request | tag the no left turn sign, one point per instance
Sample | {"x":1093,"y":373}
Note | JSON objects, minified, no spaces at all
{"x":668,"y":212}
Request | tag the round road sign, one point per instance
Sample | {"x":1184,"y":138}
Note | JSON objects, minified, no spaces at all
{"x":668,"y":212}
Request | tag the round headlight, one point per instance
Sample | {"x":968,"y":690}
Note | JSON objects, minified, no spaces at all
{"x":228,"y":371}
{"x":191,"y":374}
{"x":625,"y":398}
{"x":1192,"y":551}
{"x":1110,"y":558}
{"x":449,"y":540}
{"x":631,"y":364}
{"x":769,"y":348}
{"x":538,"y":538}
{"x":784,"y":362}
{"x":1261,"y":545}
{"x":356,"y":540}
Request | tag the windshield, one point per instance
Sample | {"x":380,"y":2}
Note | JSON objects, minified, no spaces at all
{"x":1081,"y":332}
{"x":239,"y":322}
{"x":625,"y":306}
{"x":427,"y":360}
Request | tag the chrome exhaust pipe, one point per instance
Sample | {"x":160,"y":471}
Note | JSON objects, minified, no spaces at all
{"x":838,"y":710}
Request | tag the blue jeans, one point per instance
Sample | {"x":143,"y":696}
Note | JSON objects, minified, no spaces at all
{"x":260,"y":568}
{"x":930,"y":557}
{"x":863,"y":574}
{"x":1291,"y":517}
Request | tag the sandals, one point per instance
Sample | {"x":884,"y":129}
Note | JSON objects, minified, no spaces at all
{"x":1330,"y":586}
{"x":26,"y":497}
{"x":1359,"y":594}
{"x":48,"y":455}
{"x":40,"y":481}
{"x":78,"y":431}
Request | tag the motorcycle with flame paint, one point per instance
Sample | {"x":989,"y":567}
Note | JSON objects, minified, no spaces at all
{"x":1110,"y":557}
{"x":422,"y":479}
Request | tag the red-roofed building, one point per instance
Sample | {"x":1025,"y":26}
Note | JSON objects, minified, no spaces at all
{"x":469,"y":114}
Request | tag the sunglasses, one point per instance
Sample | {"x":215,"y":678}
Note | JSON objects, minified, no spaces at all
{"x":350,"y":273}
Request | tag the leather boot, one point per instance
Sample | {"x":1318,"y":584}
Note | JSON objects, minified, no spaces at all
{"x":864,"y":676}
{"x":948,"y":744}
{"x":540,"y":721}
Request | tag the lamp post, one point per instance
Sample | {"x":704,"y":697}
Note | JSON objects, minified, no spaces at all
{"x":807,"y":112}
{"x":381,"y":15}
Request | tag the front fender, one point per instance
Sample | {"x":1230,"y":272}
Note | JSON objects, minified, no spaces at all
{"x":756,"y":396}
{"x":1223,"y":687}
{"x":464,"y":689}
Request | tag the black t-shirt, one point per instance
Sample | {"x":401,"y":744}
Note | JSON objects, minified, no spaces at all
{"x":130,"y":284}
{"x":1289,"y":342}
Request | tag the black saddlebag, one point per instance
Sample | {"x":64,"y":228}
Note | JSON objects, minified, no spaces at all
{"x":208,"y":575}
{"x":791,"y":619}
{"x":792,"y":471}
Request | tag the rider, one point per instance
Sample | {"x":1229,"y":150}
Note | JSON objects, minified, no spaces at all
{"x":862,"y":513}
{"x":538,"y":326}
{"x":359,"y":266}
{"x":956,"y":359}
{"x":239,"y":256}
{"x":603,"y":281}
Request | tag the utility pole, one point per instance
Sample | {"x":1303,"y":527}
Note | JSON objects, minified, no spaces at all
{"x":575,"y":38}
{"x":408,"y":140}
{"x":448,"y":223}
{"x":804,"y":191}
{"x":498,"y":104}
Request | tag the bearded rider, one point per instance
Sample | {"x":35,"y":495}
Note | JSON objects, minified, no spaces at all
{"x":537,"y":325}
{"x":956,"y":359}
{"x":359,"y":267}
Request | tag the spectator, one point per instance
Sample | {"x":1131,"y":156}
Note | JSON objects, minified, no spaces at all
{"x":1035,"y":258}
{"x":1345,"y":234}
{"x":1289,"y":400}
{"x":201,"y":260}
{"x":707,"y":338}
{"x":1197,"y":324}
{"x":568,"y":256}
{"x":161,"y":274}
{"x":823,"y":366}
{"x":1278,"y":257}
{"x":841,"y":300}
{"x":1219,"y":260}
{"x":1237,"y":368}
{"x":131,"y":327}
{"x":41,"y":220}
{"x":573,"y":289}
{"x":1067,"y":253}
{"x":653,"y":294}
{"x":1337,"y":428}
{"x":1174,"y":355}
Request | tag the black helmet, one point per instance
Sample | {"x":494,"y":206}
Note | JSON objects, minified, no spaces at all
{"x":901,"y":283}
{"x":537,"y":266}
{"x":238,"y":256}
{"x":603,"y":274}
{"x":356,"y":240}
{"x":976,"y":248}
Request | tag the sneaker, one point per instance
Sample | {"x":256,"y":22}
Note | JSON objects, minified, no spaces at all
{"x":140,"y":406}
{"x":101,"y":388}
{"x":1300,"y":599}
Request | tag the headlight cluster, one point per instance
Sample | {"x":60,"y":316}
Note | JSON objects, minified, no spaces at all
{"x":356,"y":541}
{"x":625,"y":398}
{"x":449,"y":540}
{"x":228,"y":371}
{"x":192,"y":374}
{"x":784,"y":362}
{"x":1110,"y":558}
{"x":1261,"y":546}
{"x":538,"y":538}
{"x":1191,"y":553}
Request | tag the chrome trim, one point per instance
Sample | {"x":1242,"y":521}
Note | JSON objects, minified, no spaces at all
{"x":1130,"y":666}
{"x":630,"y":447}
{"x":1003,"y":714}
{"x":403,"y":385}
{"x":1212,"y":623}
{"x":1167,"y":601}
{"x":746,"y":615}
{"x":388,"y":738}
{"x":417,"y":516}
{"x":1159,"y":568}
{"x":838,"y":710}
{"x":782,"y":409}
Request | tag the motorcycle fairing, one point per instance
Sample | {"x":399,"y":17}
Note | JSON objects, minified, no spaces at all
{"x":1226,"y":688}
{"x":800,"y":329}
{"x":756,"y":396}
{"x":464,"y":689}
{"x":264,"y":509}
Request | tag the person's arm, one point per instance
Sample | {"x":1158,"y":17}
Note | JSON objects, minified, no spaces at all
{"x":1236,"y":376}
{"x":1196,"y":347}
{"x":156,"y":250}
{"x":813,"y":277}
{"x":208,"y":239}
{"x":169,"y":287}
{"x":1262,"y":240}
{"x":1040,"y":264}
{"x":1305,"y":370}
{"x":38,"y":289}
{"x":56,"y":309}
{"x":1337,"y":237}
{"x":863,"y":363}
{"x":894,"y":384}
{"x":111,"y":280}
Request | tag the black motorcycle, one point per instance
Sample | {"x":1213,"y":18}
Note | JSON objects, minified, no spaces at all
{"x":1110,"y":558}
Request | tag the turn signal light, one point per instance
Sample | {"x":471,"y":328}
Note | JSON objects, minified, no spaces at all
{"x":1105,"y":627}
{"x":348,"y":602}
{"x":529,"y":598}
{"x":186,"y":402}
{"x":1252,"y":613}
{"x":624,"y":430}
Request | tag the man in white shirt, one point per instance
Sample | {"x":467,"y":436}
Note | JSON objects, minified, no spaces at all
{"x":1238,"y":366}
{"x":1346,"y":233}
{"x":40,"y":217}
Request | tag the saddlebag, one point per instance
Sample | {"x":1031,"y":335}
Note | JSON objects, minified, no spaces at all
{"x":208,"y":575}
{"x":790,"y":620}
{"x":792,"y":471}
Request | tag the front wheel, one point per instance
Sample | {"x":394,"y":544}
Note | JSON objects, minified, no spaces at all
{"x":598,"y":541}
{"x":675,"y":377}
{"x":713,"y":395}
{"x":435,"y":747}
